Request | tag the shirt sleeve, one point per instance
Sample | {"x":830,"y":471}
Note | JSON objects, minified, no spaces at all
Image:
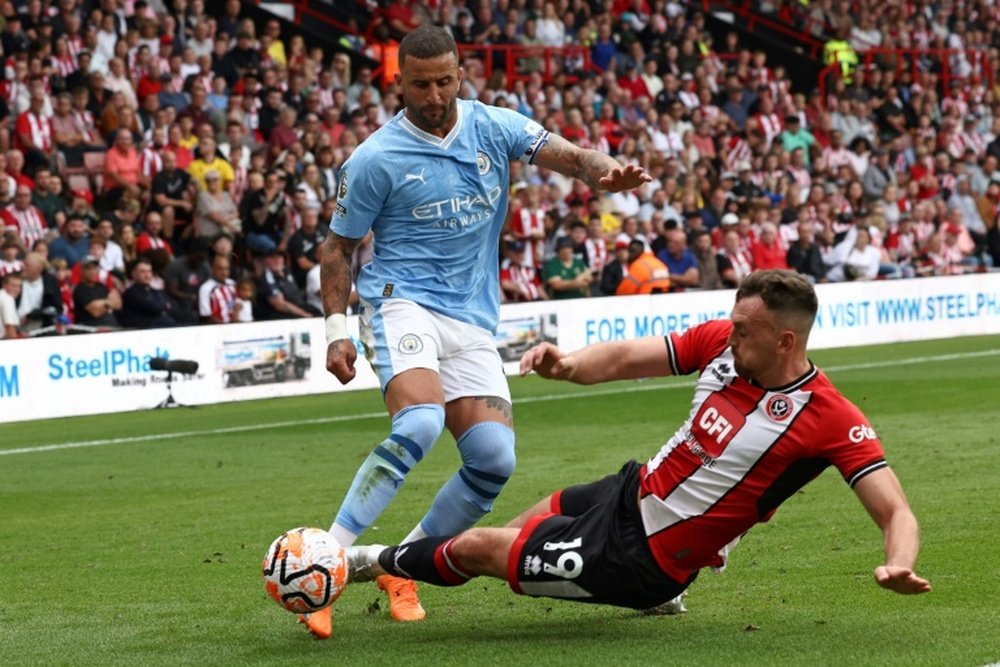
{"x":361,"y":193}
{"x":521,"y":136}
{"x":695,"y":348}
{"x":849,"y":443}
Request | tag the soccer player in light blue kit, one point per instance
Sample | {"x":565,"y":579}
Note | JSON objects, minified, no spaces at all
{"x":432,"y":185}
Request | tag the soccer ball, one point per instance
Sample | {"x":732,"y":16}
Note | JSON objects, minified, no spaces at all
{"x":305,"y":570}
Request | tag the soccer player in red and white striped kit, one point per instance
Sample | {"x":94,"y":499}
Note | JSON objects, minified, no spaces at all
{"x":764,"y":422}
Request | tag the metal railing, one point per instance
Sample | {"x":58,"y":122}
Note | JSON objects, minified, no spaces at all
{"x":753,"y":20}
{"x":970,"y":66}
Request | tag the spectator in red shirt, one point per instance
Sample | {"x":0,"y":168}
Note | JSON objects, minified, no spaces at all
{"x":151,"y":237}
{"x":767,"y":251}
{"x":122,"y":170}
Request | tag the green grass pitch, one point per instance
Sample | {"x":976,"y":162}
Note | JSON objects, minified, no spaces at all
{"x":147,"y":550}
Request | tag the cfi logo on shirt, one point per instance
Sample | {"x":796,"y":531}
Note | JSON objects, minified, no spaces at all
{"x":342,"y":190}
{"x":484,"y":163}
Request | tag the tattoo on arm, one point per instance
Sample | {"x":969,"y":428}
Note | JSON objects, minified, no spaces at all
{"x":335,"y":272}
{"x":587,"y":165}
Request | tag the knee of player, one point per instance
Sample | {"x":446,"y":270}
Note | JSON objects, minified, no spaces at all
{"x":488,"y":448}
{"x":416,"y":428}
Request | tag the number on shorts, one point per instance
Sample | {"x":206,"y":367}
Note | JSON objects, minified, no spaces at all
{"x":569,"y":565}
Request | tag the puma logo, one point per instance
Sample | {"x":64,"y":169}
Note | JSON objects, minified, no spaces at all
{"x":416,"y":177}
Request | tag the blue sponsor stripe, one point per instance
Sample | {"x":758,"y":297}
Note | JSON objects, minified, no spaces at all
{"x":475,"y":487}
{"x":392,"y":458}
{"x":487,"y":476}
{"x":413,"y":448}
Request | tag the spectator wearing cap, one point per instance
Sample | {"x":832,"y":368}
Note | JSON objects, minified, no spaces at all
{"x":215,"y":211}
{"x":519,"y":280}
{"x":278,"y":297}
{"x":93,"y":303}
{"x":566,"y":276}
{"x":795,"y":137}
{"x":96,"y":246}
{"x":680,"y":261}
{"x":144,"y":306}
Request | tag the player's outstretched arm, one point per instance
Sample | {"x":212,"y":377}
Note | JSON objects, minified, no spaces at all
{"x":883,"y":497}
{"x":335,"y":285}
{"x":596,"y":169}
{"x":600,"y":362}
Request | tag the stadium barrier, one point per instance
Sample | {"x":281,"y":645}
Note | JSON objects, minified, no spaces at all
{"x":102,"y":373}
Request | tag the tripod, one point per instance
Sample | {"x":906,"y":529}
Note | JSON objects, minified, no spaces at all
{"x":170,"y":401}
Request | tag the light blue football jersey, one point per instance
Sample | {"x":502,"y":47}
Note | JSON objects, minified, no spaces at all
{"x":436,"y":207}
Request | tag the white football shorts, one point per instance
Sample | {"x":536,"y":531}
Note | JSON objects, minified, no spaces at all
{"x":400,"y":335}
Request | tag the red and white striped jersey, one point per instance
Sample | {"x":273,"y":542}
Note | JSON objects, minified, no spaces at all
{"x":30,"y":223}
{"x":737,"y":150}
{"x":597,"y":253}
{"x":525,"y":278}
{"x":742,"y":452}
{"x":150,"y":162}
{"x":770,"y":126}
{"x":216,"y":299}
{"x":35,"y":127}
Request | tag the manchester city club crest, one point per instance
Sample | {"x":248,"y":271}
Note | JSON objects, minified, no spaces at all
{"x":342,"y":190}
{"x":484,"y":163}
{"x":779,"y":408}
{"x":410,"y":344}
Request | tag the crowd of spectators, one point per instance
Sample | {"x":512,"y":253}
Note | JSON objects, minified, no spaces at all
{"x":160,"y":166}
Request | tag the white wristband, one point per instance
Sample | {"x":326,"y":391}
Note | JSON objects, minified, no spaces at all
{"x":336,"y":327}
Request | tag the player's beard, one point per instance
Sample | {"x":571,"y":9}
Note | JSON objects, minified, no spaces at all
{"x":441,"y":115}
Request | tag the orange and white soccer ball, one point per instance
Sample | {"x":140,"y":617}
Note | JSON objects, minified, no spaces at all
{"x":305,"y":570}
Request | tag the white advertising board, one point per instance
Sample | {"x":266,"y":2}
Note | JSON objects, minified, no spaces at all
{"x":99,"y":373}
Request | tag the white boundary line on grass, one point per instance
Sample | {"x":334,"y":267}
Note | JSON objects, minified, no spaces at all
{"x":381,"y":415}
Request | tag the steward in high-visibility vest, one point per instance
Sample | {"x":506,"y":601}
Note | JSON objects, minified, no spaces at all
{"x":646,"y":274}
{"x":838,"y":50}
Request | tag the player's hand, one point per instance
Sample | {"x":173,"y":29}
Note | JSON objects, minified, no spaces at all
{"x":625,"y":177}
{"x":340,"y":357}
{"x":548,"y":361}
{"x":901,"y":580}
